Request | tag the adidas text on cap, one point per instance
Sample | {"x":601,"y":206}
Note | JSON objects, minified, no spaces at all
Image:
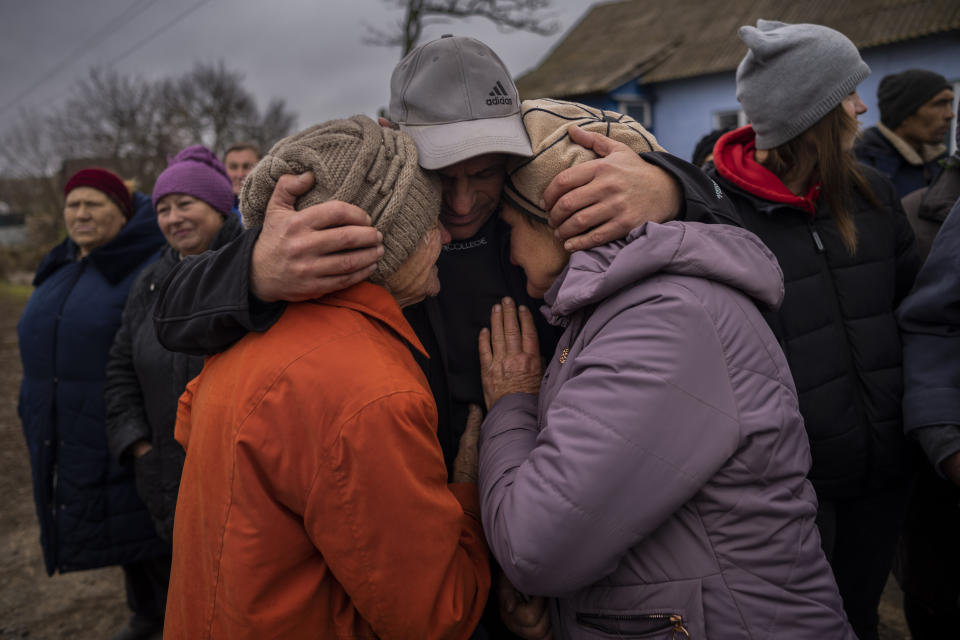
{"x":455,"y":98}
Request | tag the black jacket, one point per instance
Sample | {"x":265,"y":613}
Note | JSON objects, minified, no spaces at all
{"x":205,"y":305}
{"x":838,"y":331}
{"x":143,"y":384}
{"x":89,"y":512}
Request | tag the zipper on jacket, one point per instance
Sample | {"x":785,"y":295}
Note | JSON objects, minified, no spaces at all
{"x":853,"y":373}
{"x":817,"y":242}
{"x":55,"y":439}
{"x":638,"y":625}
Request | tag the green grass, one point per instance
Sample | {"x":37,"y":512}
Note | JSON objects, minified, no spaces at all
{"x":15,"y":291}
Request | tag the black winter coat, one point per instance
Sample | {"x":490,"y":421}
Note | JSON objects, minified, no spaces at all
{"x":143,"y":384}
{"x":89,"y":512}
{"x":838,"y":331}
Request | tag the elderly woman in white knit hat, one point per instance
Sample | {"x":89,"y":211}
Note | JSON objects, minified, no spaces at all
{"x":654,"y":483}
{"x":314,"y":500}
{"x":849,"y":257}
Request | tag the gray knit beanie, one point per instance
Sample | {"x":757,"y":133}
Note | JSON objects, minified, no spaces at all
{"x":359,"y":162}
{"x":792,"y":76}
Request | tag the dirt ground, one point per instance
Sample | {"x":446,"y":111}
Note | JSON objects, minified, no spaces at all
{"x":90,"y":604}
{"x":82,"y":605}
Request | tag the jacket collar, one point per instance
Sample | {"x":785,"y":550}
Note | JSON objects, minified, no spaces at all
{"x":138,"y":239}
{"x":230,"y":229}
{"x":734,"y":161}
{"x":930,"y":151}
{"x":375,"y":301}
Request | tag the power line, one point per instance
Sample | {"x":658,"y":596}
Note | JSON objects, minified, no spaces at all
{"x":121,"y":20}
{"x":156,"y":33}
{"x":130,"y":50}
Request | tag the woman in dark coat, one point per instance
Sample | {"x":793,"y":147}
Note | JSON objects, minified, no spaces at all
{"x":89,"y":512}
{"x":848,"y":258}
{"x":193,"y":200}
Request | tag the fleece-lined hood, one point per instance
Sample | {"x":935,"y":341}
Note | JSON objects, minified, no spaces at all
{"x":728,"y":255}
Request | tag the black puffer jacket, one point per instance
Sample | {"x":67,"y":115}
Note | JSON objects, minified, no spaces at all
{"x":837,"y":325}
{"x":87,"y":505}
{"x":143,"y":384}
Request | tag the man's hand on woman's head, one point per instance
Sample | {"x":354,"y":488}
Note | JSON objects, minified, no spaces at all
{"x":509,"y":353}
{"x":602,"y":200}
{"x":307,"y":254}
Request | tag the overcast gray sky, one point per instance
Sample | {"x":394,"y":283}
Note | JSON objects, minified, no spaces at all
{"x":309,"y":52}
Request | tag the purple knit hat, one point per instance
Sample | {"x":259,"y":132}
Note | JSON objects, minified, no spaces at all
{"x":195,"y":171}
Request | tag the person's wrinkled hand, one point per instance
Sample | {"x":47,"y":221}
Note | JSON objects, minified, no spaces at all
{"x":509,"y":353}
{"x":465,"y":464}
{"x":307,"y":254}
{"x":602,"y":200}
{"x":528,"y":618}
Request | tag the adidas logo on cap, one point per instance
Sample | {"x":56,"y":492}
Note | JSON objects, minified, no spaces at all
{"x":499,"y":95}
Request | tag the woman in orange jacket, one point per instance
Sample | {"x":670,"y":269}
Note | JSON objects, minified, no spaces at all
{"x":314,"y":501}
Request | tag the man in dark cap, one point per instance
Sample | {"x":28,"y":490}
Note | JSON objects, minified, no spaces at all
{"x":916,"y":107}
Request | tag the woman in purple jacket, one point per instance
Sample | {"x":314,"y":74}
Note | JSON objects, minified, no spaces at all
{"x":653,"y":482}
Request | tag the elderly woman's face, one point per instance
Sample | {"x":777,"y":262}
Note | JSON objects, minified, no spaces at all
{"x":417,"y":278}
{"x":189,"y":224}
{"x":535,"y":249}
{"x":92,"y":219}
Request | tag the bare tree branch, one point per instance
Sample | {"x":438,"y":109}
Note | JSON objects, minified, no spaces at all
{"x":507,"y":15}
{"x":130,"y":125}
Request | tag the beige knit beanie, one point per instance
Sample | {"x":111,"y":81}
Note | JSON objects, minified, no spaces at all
{"x":359,"y":162}
{"x":546,"y":122}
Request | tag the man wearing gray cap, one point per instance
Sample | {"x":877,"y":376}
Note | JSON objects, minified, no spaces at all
{"x":456,"y":99}
{"x":916,"y":107}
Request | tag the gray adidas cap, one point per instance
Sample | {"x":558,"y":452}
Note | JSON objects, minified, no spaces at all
{"x":455,"y":98}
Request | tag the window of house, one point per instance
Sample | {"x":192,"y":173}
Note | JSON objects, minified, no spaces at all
{"x":729,"y":119}
{"x":637,"y":109}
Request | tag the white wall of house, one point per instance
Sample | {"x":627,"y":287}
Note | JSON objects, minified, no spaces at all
{"x":685,"y":110}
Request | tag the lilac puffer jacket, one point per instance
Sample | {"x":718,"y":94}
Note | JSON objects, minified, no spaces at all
{"x":656,"y":489}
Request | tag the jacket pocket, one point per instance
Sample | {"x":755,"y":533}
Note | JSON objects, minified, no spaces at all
{"x":663,"y":611}
{"x":635,"y":625}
